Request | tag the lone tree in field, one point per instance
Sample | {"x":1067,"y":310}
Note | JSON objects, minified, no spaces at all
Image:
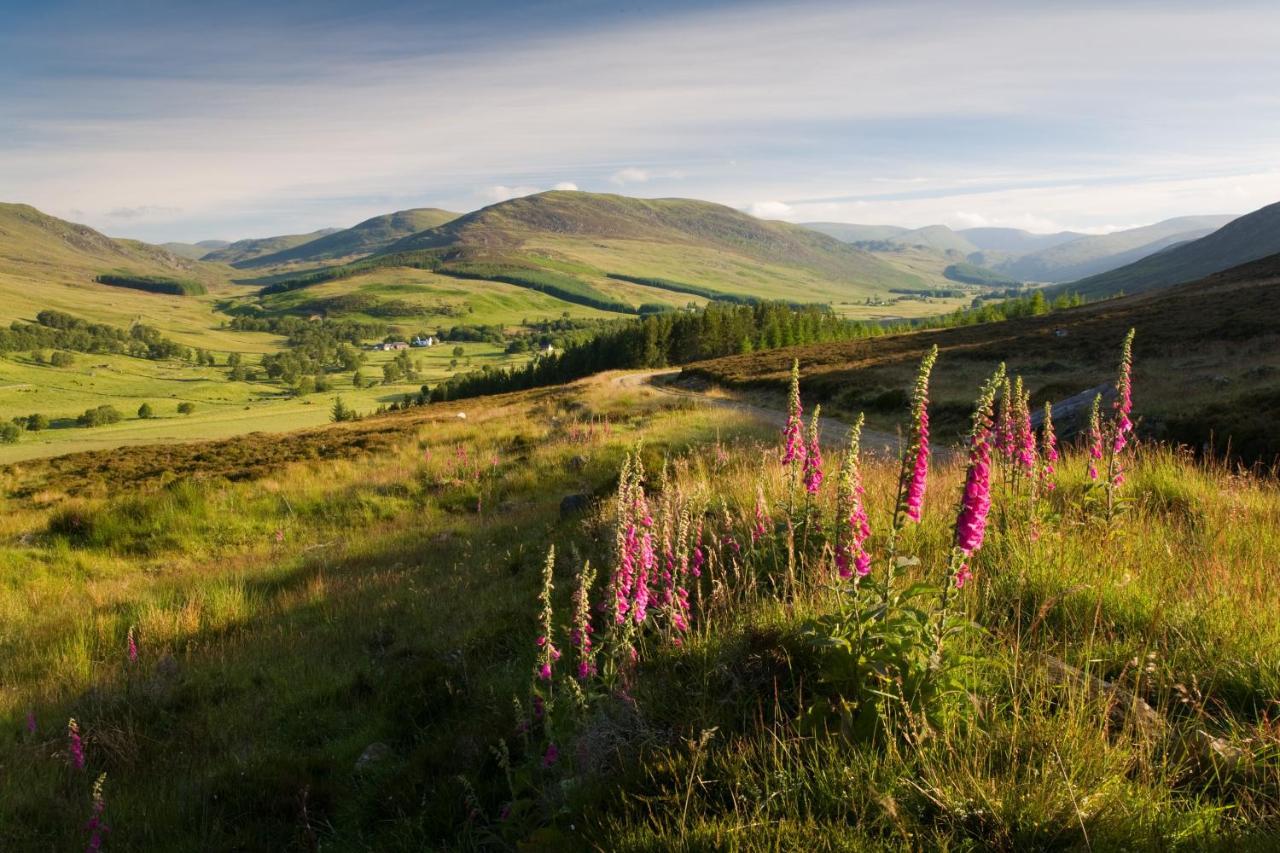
{"x":341,"y":412}
{"x":37,"y":422}
{"x":186,"y":408}
{"x":145,"y":411}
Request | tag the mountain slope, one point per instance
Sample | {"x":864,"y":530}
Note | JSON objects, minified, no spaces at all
{"x":1094,"y":254}
{"x":938,"y":237}
{"x":848,"y":232}
{"x":194,"y":251}
{"x":1015,"y":241}
{"x":34,"y":243}
{"x":1203,"y":367}
{"x":1254,"y":236}
{"x":242,"y":251}
{"x":656,"y":243}
{"x":363,"y":239}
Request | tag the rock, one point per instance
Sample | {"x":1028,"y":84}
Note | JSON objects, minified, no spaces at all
{"x":574,"y":504}
{"x":374,"y":755}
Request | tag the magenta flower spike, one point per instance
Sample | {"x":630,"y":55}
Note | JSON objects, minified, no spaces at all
{"x":547,"y":652}
{"x":813,"y":475}
{"x":852,"y":526}
{"x":74,"y":744}
{"x":918,"y":450}
{"x":975,"y":502}
{"x":131,"y":646}
{"x":1095,"y":437}
{"x":1048,"y":449}
{"x":793,"y":449}
{"x":97,"y":825}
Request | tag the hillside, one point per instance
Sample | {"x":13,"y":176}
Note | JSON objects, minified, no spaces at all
{"x":369,"y":236}
{"x":194,"y":251}
{"x":663,"y":249}
{"x":938,"y":237}
{"x":1093,"y":254}
{"x":1014,"y":241}
{"x":1208,"y":368}
{"x":241,"y":252}
{"x":1245,"y":239}
{"x":848,"y":232}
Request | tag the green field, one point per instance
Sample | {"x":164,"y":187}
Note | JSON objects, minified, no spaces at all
{"x":222,"y":408}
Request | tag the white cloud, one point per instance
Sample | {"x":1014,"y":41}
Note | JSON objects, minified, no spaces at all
{"x":568,"y":186}
{"x":769,"y":209}
{"x":630,"y":175}
{"x":501,"y":192}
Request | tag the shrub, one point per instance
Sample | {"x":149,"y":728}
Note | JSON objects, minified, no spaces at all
{"x":145,"y":411}
{"x":10,"y":433}
{"x":186,"y":408}
{"x":37,"y":422}
{"x":99,"y":416}
{"x":62,"y":359}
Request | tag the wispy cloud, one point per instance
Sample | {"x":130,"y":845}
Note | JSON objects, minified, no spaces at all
{"x":873,"y":111}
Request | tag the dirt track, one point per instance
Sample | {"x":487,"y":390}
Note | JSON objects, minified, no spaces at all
{"x":834,"y":432}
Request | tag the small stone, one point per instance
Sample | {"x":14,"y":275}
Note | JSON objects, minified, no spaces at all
{"x":374,"y":754}
{"x":574,"y":504}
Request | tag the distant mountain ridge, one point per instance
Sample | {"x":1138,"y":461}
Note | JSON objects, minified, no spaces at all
{"x":1243,"y":240}
{"x":370,"y":236}
{"x":242,"y":251}
{"x":502,"y":229}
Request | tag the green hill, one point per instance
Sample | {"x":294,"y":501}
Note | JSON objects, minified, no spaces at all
{"x":938,"y":237}
{"x":194,"y":251}
{"x":1095,"y":254}
{"x":851,"y":233}
{"x":609,"y":242}
{"x":365,"y":238}
{"x":1254,"y":236}
{"x":242,"y":251}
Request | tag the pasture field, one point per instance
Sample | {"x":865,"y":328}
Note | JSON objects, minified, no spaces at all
{"x":336,"y":647}
{"x":222,"y":407}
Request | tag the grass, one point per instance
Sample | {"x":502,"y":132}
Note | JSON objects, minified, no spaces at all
{"x":333,"y":600}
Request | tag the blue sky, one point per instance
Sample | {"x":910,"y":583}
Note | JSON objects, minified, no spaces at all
{"x":165,"y":120}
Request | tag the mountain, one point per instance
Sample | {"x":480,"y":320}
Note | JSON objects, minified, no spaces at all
{"x":679,"y":245}
{"x":365,"y":238}
{"x":37,"y":244}
{"x":1254,"y":236}
{"x":938,"y":237}
{"x":848,"y":232}
{"x":194,"y":251}
{"x":1094,"y":254}
{"x":1014,"y":241}
{"x":241,"y":252}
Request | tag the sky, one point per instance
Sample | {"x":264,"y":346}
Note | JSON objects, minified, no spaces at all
{"x":176,"y":121}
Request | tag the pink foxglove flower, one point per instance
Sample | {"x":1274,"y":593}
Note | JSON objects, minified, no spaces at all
{"x":548,"y":654}
{"x":74,"y":744}
{"x":852,"y":527}
{"x":132,"y":646}
{"x":813,"y":455}
{"x":97,"y":825}
{"x":1095,"y":437}
{"x":551,"y":756}
{"x":1025,"y":437}
{"x":975,"y":503}
{"x":917,"y":458}
{"x":580,"y":636}
{"x":762,"y":522}
{"x":1048,"y":449}
{"x":793,"y":449}
{"x":1123,"y":406}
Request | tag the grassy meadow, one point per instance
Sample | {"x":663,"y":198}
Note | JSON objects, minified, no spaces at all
{"x":336,"y":646}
